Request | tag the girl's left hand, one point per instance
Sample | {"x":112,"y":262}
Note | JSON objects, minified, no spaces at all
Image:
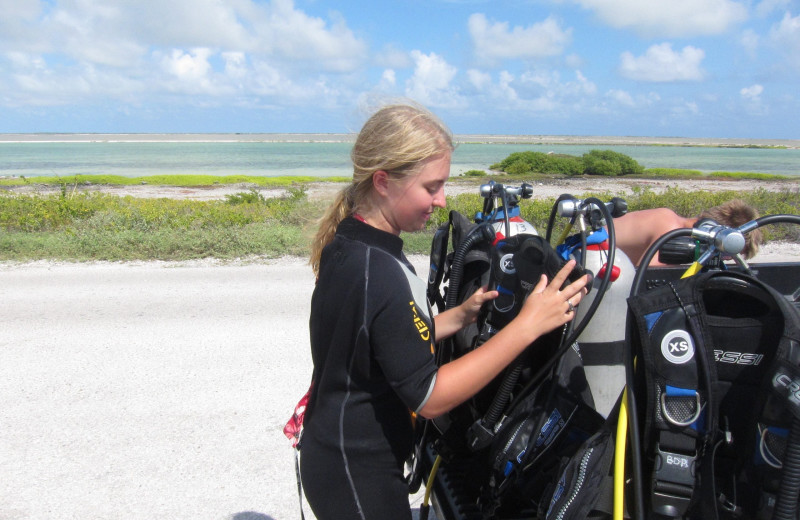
{"x":472,"y":306}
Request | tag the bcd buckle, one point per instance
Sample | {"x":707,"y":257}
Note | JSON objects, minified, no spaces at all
{"x":673,"y":482}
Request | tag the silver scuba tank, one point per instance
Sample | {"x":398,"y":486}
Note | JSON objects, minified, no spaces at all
{"x":603,"y":340}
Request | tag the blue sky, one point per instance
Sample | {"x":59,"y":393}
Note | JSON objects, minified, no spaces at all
{"x":687,"y":68}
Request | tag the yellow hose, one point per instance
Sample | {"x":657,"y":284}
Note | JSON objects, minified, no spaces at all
{"x":431,"y":478}
{"x":692,"y":270}
{"x":619,"y":458}
{"x":564,"y":234}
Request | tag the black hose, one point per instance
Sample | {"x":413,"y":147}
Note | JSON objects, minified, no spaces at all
{"x":786,"y":505}
{"x":789,"y":490}
{"x":634,"y":445}
{"x":498,"y":404}
{"x":505,"y":214}
{"x":482,"y":232}
{"x":775,"y":219}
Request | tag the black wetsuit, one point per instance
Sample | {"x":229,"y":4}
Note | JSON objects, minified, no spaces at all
{"x":372,"y":346}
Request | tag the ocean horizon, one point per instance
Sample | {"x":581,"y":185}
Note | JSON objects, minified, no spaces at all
{"x":328,"y":154}
{"x":216,"y":137}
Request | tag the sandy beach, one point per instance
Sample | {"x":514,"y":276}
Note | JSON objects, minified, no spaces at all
{"x":159,"y":390}
{"x":543,"y":189}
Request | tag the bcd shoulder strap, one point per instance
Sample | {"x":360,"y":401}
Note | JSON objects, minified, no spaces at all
{"x":678,"y":378}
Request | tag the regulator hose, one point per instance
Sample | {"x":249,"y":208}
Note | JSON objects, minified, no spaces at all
{"x":501,"y":397}
{"x":777,"y":219}
{"x":482,"y":232}
{"x":786,"y":505}
{"x":789,"y":490}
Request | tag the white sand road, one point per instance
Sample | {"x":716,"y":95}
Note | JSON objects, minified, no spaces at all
{"x":155,"y":390}
{"x":151,"y":390}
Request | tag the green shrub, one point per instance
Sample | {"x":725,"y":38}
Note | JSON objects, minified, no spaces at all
{"x":610,"y":163}
{"x":523,"y":163}
{"x":595,"y":162}
{"x":246,"y":197}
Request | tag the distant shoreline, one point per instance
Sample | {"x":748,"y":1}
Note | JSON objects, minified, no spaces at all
{"x":345,"y":138}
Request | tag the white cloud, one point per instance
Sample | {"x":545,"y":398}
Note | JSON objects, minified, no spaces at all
{"x":534,"y":91}
{"x":480,"y":80}
{"x":621,"y":97}
{"x":785,"y":38}
{"x":574,"y":61}
{"x":297,"y":36}
{"x":17,"y":25}
{"x":752,"y":93}
{"x":392,"y":57}
{"x":750,"y":41}
{"x":431,"y":83}
{"x":766,"y":7}
{"x":584,"y":85}
{"x":661,"y":64}
{"x":235,"y":64}
{"x":751,"y":101}
{"x":388,"y":79}
{"x":266,"y":80}
{"x":495,"y":40}
{"x":186,"y":66}
{"x":155,"y":48}
{"x":668,"y":18}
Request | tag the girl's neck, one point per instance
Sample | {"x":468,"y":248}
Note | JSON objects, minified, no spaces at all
{"x":375,"y":219}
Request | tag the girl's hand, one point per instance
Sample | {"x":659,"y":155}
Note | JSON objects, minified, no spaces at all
{"x":548,"y":306}
{"x":452,"y":320}
{"x":472,"y":306}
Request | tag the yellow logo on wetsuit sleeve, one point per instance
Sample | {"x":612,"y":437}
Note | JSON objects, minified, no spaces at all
{"x":419,"y":323}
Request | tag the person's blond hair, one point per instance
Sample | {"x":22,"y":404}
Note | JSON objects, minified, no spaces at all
{"x":398,"y":139}
{"x":734,"y":213}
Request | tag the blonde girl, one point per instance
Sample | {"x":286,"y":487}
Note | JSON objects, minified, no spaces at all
{"x":372,"y":332}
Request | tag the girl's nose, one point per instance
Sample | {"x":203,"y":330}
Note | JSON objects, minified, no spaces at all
{"x":439,"y":199}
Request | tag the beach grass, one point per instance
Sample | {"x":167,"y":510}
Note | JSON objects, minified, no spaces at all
{"x":79,"y":226}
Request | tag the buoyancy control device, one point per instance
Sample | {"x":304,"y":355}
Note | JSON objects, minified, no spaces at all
{"x":714,"y":391}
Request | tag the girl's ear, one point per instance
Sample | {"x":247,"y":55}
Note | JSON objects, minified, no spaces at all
{"x":380,"y":181}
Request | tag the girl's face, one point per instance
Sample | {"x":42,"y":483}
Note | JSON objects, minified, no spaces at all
{"x":409,"y":202}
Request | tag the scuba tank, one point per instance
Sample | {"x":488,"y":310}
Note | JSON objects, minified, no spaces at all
{"x":603,"y":340}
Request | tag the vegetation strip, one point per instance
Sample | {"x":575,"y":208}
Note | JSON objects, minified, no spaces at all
{"x":81,"y":225}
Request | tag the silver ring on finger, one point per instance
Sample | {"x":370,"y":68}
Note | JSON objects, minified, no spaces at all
{"x":571,"y":307}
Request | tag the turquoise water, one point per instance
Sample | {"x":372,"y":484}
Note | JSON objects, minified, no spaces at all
{"x":325,"y":159}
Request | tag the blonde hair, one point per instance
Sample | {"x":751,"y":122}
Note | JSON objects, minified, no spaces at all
{"x":398,"y":139}
{"x":734,"y":213}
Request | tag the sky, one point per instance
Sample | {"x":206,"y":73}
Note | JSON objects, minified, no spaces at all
{"x":682,"y":68}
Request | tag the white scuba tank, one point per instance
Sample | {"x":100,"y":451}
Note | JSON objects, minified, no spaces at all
{"x":602,"y":342}
{"x":517,"y":226}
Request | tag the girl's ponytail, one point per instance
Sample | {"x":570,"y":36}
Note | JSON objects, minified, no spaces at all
{"x":340,"y":208}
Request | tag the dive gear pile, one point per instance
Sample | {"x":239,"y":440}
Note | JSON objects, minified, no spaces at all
{"x":706,"y":419}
